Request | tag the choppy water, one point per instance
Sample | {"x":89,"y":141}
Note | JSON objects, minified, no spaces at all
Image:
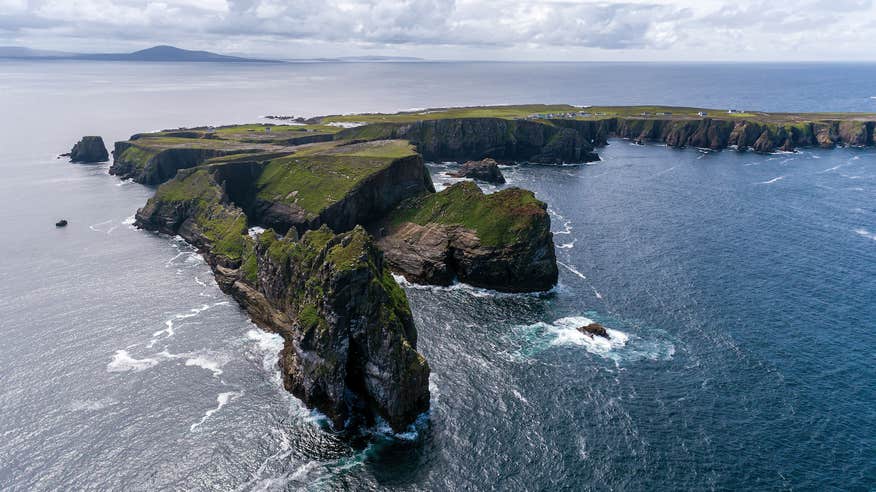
{"x":740,"y":287}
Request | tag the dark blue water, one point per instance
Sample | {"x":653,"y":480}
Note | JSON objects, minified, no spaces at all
{"x":740,"y":290}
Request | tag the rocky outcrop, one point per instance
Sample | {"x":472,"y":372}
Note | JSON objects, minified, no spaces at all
{"x":483,"y":170}
{"x":463,"y":139}
{"x":500,"y":241}
{"x":350,"y":342}
{"x":594,"y":329}
{"x":89,"y":149}
{"x":155,"y":165}
{"x":355,"y":201}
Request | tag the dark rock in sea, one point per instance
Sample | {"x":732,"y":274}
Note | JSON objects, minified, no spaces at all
{"x":61,"y":223}
{"x":484,"y":170}
{"x":594,"y":329}
{"x":500,"y":241}
{"x":89,"y":149}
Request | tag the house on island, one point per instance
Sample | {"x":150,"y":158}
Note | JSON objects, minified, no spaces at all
{"x":702,"y":113}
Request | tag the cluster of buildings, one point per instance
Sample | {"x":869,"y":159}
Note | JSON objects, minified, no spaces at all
{"x":584,"y":114}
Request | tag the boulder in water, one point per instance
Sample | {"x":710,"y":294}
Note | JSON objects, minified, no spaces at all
{"x":483,"y":170}
{"x":89,"y":149}
{"x":594,"y":329}
{"x":61,"y":223}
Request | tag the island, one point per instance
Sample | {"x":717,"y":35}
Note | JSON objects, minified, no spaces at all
{"x":306,"y":224}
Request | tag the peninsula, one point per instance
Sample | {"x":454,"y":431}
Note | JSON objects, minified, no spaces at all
{"x":304,"y":224}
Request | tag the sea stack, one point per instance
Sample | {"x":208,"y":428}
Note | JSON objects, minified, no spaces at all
{"x":484,"y":170}
{"x":89,"y":149}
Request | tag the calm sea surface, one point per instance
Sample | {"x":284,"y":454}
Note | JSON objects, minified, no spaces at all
{"x":741,"y":289}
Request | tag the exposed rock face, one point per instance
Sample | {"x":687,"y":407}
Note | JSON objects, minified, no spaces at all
{"x":350,"y":341}
{"x":462,"y":139}
{"x":594,"y":329}
{"x":500,"y":241}
{"x":89,"y":149}
{"x":155,"y":166}
{"x":760,"y":137}
{"x":484,"y":170}
{"x":363,"y":202}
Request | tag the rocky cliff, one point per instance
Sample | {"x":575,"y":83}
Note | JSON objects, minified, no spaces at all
{"x":464,"y":139}
{"x":339,"y":185}
{"x":500,"y":241}
{"x":89,"y":149}
{"x":350,"y":341}
{"x":154,"y":164}
{"x":743,"y":134}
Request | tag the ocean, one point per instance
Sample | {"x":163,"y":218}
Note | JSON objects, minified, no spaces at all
{"x":740,"y":290}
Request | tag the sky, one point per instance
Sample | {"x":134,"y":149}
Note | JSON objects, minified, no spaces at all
{"x":556,"y":30}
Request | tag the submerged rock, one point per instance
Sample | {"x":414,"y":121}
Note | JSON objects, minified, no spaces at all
{"x":484,"y":170}
{"x":89,"y":149}
{"x":61,"y":223}
{"x":594,"y":329}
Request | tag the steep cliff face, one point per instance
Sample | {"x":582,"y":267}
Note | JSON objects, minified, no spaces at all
{"x":500,"y":241}
{"x":340,"y":187}
{"x":155,"y":165}
{"x":462,"y":139}
{"x":760,"y":137}
{"x":350,"y":341}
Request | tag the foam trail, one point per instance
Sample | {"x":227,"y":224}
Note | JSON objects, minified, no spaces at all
{"x":122,"y":362}
{"x":864,"y":232}
{"x":223,"y":399}
{"x":567,"y":245}
{"x":573,"y":270}
{"x":774,"y":180}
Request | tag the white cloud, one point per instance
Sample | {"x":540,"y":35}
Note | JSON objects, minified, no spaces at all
{"x":546,"y":29}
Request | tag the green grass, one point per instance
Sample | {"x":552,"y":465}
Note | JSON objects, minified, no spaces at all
{"x":319,"y":176}
{"x":137,"y":155}
{"x":499,"y":219}
{"x":508,"y":112}
{"x":522,"y":111}
{"x":224,"y":226}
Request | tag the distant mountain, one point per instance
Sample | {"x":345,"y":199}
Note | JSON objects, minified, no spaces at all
{"x":155,"y":54}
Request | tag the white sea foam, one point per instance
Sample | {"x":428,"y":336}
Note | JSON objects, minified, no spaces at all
{"x":864,"y":232}
{"x":212,"y":365}
{"x":771,"y":181}
{"x":567,"y":228}
{"x":567,"y":245}
{"x":572,"y":269}
{"x":129,"y":220}
{"x":464,"y":288}
{"x":566,"y":333}
{"x":122,"y":361}
{"x":222,"y":400}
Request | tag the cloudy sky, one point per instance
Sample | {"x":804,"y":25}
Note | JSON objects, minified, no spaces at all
{"x":684,"y":30}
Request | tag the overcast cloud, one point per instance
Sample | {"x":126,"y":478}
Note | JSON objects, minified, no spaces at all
{"x":455,"y":29}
